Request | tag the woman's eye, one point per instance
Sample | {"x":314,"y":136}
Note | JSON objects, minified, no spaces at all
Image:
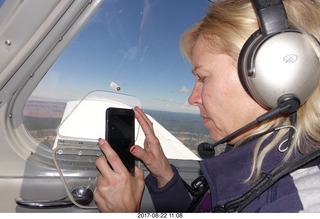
{"x":201,"y":78}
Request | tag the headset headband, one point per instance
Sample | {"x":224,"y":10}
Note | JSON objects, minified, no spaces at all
{"x":272,"y":16}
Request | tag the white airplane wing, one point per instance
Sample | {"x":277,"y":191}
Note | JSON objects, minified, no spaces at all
{"x":84,"y":121}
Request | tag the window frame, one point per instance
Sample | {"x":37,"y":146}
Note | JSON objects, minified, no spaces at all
{"x":48,"y":42}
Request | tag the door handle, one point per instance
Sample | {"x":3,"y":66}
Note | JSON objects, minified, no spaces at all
{"x":81,"y":195}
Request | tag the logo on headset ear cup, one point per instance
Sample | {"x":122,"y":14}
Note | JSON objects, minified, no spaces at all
{"x":280,"y":64}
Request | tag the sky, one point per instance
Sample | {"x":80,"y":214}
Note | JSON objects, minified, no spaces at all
{"x":134,"y":43}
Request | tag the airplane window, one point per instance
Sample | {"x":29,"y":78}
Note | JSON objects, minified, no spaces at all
{"x":130,"y":49}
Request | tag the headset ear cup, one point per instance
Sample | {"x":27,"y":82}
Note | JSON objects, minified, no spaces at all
{"x":245,"y":58}
{"x":277,"y":65}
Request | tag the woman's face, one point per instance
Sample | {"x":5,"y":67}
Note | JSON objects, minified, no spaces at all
{"x":224,"y":104}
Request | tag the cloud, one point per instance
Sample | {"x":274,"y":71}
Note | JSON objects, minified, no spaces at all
{"x":184,"y":89}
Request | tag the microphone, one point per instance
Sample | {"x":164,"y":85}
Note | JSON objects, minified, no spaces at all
{"x":287,"y":104}
{"x":205,"y":151}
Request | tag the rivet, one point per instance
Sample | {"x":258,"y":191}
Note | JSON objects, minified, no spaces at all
{"x":7,"y":42}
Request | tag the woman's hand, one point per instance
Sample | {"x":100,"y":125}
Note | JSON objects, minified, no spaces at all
{"x":152,"y":154}
{"x":117,"y":190}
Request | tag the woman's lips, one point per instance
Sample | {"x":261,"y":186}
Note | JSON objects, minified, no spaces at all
{"x":205,"y":120}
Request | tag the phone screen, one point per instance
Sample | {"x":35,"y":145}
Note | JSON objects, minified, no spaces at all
{"x":120,"y":134}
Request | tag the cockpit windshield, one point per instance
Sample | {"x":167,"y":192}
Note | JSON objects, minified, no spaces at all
{"x":127,"y":48}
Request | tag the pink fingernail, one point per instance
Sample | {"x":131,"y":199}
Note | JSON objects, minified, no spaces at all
{"x":133,"y":148}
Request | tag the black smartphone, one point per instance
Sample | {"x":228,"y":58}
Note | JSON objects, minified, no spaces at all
{"x":120,"y":134}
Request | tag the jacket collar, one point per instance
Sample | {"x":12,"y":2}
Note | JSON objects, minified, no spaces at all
{"x":227,"y":172}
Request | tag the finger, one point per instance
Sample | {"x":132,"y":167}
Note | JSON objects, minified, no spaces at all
{"x":141,"y":113}
{"x":103,"y":166}
{"x":100,"y":180}
{"x":104,"y":145}
{"x":143,"y":120}
{"x":112,"y":157}
{"x":148,"y":131}
{"x":138,"y":152}
{"x":139,"y":173}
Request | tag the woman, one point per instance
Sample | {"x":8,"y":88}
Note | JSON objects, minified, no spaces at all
{"x":213,"y":47}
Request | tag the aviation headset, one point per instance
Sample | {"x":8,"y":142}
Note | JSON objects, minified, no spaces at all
{"x":278,"y":64}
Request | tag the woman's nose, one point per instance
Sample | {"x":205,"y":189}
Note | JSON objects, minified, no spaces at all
{"x":195,"y":96}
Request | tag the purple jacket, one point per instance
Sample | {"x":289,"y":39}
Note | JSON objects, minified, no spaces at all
{"x":225,"y":174}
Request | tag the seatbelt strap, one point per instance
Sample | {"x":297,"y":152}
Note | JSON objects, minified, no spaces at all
{"x":198,"y":189}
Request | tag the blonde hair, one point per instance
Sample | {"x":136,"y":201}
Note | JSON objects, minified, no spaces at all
{"x":226,"y":27}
